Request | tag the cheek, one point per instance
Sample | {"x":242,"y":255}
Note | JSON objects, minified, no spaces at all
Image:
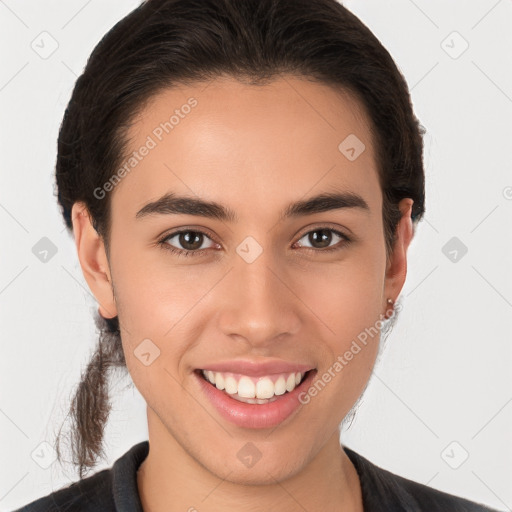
{"x":153,"y":297}
{"x":346,"y":297}
{"x":162,"y":303}
{"x":347,"y":301}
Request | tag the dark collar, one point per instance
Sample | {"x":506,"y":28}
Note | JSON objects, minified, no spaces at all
{"x":124,"y":478}
{"x":381,"y":489}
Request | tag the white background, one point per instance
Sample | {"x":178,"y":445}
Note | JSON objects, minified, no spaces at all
{"x":444,"y":374}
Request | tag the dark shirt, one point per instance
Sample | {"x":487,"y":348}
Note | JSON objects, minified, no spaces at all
{"x":115,"y":490}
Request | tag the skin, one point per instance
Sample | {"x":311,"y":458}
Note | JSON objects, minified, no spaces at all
{"x":254,"y":150}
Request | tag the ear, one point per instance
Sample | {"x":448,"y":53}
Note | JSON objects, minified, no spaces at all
{"x":396,"y":269}
{"x":93,"y":260}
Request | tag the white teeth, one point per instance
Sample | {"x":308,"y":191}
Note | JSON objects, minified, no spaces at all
{"x":253,"y":400}
{"x":219,"y":381}
{"x":246,"y":388}
{"x":253,"y":389}
{"x":290,"y":382}
{"x":231,"y":385}
{"x":280,"y":386}
{"x":264,"y":388}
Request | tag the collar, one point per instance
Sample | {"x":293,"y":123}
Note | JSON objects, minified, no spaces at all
{"x":381,"y":490}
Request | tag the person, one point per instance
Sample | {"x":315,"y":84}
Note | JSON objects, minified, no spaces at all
{"x":243,"y":179}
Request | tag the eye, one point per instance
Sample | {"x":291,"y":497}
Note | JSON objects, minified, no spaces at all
{"x":321,"y":239}
{"x":190,"y":242}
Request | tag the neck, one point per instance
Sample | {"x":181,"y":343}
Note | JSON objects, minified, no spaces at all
{"x":170,"y":480}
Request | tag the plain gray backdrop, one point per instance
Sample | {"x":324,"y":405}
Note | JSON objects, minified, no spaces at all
{"x":438,"y":408}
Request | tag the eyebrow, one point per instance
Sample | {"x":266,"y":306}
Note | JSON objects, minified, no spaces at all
{"x":171,"y":203}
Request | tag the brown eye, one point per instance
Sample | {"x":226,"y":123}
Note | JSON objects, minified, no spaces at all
{"x":190,"y":240}
{"x":186,"y":243}
{"x":322,"y":238}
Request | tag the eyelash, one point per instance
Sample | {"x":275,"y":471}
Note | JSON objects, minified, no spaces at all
{"x":186,"y":253}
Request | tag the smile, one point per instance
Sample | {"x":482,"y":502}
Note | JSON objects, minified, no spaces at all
{"x":254,"y":390}
{"x":249,"y":401}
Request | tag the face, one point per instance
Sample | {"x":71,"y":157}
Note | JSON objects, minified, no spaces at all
{"x":253,"y":289}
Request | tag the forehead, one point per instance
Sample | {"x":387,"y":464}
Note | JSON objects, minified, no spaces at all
{"x":248,"y":146}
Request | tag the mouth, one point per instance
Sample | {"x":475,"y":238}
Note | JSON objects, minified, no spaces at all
{"x":250,"y":401}
{"x":254,"y":390}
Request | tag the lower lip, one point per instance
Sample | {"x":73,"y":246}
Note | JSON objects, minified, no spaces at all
{"x":255,"y":415}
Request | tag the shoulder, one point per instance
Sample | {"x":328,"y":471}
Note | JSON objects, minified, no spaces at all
{"x":110,"y":490}
{"x":432,"y":499}
{"x":383,"y":490}
{"x":89,"y":494}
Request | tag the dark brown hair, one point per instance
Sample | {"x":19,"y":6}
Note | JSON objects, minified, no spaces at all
{"x":164,"y":43}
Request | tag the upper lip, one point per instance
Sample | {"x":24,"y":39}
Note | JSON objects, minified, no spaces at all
{"x":257,"y":368}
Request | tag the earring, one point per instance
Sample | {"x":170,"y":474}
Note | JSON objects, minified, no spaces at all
{"x":389,"y":311}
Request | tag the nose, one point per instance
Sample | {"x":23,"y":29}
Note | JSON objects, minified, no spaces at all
{"x":259,"y":304}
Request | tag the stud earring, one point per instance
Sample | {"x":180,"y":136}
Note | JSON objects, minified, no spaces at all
{"x":389,"y":311}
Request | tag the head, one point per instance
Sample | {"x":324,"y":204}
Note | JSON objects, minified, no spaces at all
{"x":254,"y":106}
